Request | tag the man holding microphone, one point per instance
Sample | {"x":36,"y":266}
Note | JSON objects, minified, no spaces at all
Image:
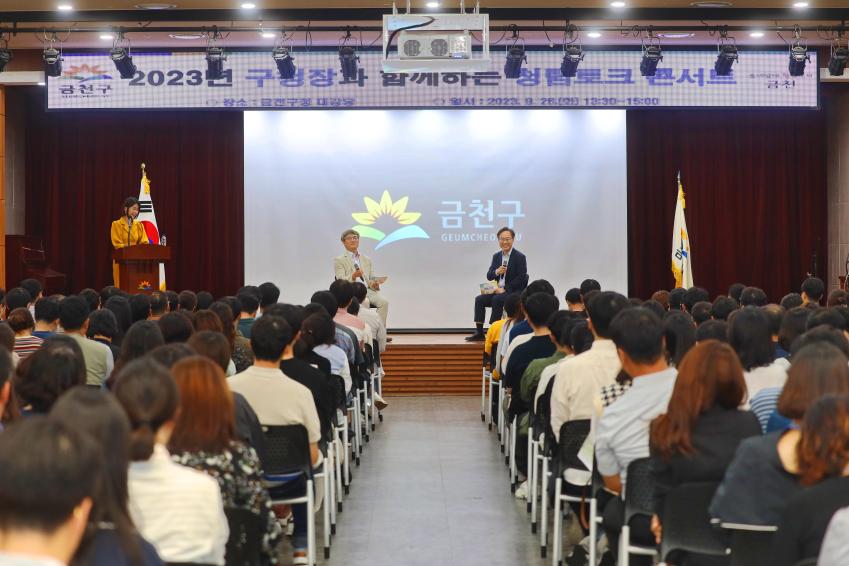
{"x":509,"y":268}
{"x":353,"y":266}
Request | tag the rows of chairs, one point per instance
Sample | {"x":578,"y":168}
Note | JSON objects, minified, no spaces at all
{"x":687,"y":526}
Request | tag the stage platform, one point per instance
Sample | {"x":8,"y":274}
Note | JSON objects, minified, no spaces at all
{"x":432,"y":364}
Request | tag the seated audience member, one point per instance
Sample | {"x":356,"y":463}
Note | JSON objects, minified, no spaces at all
{"x":676,"y":299}
{"x":539,"y":308}
{"x":93,"y":298}
{"x":214,"y":346}
{"x":370,"y":316}
{"x":279,"y":400}
{"x":206,"y":320}
{"x":679,"y":333}
{"x":662,"y":297}
{"x":791,"y":301}
{"x":175,"y":508}
{"x":574,"y":302}
{"x":73,"y":315}
{"x":753,"y":297}
{"x":774,"y":314}
{"x":187,"y":301}
{"x":836,"y":298}
{"x":205,"y":299}
{"x":112,"y":538}
{"x":695,"y":295}
{"x":21,"y":322}
{"x":46,"y":317}
{"x":8,"y":407}
{"x":812,"y":291}
{"x":560,"y":325}
{"x":120,"y":307}
{"x":42,"y":378}
{"x":712,"y":330}
{"x":317,"y":334}
{"x":158,"y":305}
{"x":240,"y":348}
{"x":622,"y":432}
{"x":515,"y":315}
{"x":580,"y":379}
{"x":695,"y":439}
{"x":173,"y":301}
{"x":722,"y":308}
{"x":344,"y":337}
{"x":140,"y":307}
{"x":34,"y":288}
{"x":269,"y":294}
{"x":823,"y":460}
{"x":142,"y":337}
{"x":169,"y":354}
{"x":49,"y":477}
{"x":522,"y":332}
{"x":204,"y":438}
{"x":825,"y":317}
{"x":735,"y":290}
{"x":765,"y":471}
{"x":103,"y":327}
{"x":654,"y":307}
{"x":835,"y":545}
{"x":17,"y":298}
{"x":587,"y":286}
{"x":175,"y":327}
{"x":749,"y":334}
{"x":343,"y":292}
{"x":793,"y":325}
{"x":249,"y":299}
{"x":701,"y":312}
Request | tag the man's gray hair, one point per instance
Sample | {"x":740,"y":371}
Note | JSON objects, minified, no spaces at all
{"x":349,"y":232}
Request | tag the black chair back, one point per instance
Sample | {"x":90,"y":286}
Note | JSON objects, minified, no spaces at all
{"x":287,"y":450}
{"x":244,"y":546}
{"x":375,"y":348}
{"x":686,"y":524}
{"x":639,"y":489}
{"x":492,"y":355}
{"x":542,"y":423}
{"x":573,"y":434}
{"x":750,"y":548}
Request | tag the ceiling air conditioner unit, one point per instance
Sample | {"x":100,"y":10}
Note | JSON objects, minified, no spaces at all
{"x":429,"y":43}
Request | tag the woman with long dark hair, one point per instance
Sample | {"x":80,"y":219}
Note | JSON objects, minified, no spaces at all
{"x":112,"y":539}
{"x":126,"y":231}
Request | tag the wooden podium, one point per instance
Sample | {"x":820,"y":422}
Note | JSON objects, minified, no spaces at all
{"x":138,"y":267}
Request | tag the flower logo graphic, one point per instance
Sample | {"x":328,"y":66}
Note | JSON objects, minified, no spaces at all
{"x":84,"y":73}
{"x":396,"y":210}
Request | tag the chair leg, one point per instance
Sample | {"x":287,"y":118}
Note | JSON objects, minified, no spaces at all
{"x":624,"y":543}
{"x":557,"y":524}
{"x":483,"y":394}
{"x":346,"y":480}
{"x":514,"y":472}
{"x":530,"y":469}
{"x":328,"y":502}
{"x":533,"y":478}
{"x":311,"y":522}
{"x":543,"y":509}
{"x":593,"y":529}
{"x":501,"y":424}
{"x":489,"y":404}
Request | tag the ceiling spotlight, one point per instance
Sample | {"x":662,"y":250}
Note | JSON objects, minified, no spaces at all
{"x":432,"y":5}
{"x":348,"y":60}
{"x":515,"y":56}
{"x":215,"y":63}
{"x":268,"y":35}
{"x":572,"y":57}
{"x":64,"y":7}
{"x":837,"y":63}
{"x":123,"y":62}
{"x":652,"y":55}
{"x":285,"y":62}
{"x":617,"y":4}
{"x":727,"y":54}
{"x":798,"y":55}
{"x":41,"y":83}
{"x":248,"y":5}
{"x":800,"y":4}
{"x":52,"y":61}
{"x":594,"y":34}
{"x":756,"y":34}
{"x":106,"y":36}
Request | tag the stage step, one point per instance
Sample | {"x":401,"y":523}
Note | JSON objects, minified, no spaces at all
{"x":432,"y":369}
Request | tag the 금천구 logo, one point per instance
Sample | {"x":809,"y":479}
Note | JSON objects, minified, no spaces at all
{"x":85,"y":73}
{"x":396,"y":210}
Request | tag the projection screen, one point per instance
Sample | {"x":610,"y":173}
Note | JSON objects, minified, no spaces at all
{"x":428,"y":189}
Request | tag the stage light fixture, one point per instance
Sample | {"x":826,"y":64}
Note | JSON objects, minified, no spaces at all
{"x":285,"y":62}
{"x":5,"y":53}
{"x":572,"y":52}
{"x":348,"y":60}
{"x":215,"y":63}
{"x":727,"y":54}
{"x":52,"y":58}
{"x":123,"y":62}
{"x":652,"y":55}
{"x":798,"y":54}
{"x":515,"y":55}
{"x":838,"y":60}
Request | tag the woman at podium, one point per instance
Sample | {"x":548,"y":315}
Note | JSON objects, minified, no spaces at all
{"x":126,"y":231}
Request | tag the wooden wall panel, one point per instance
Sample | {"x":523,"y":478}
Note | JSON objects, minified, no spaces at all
{"x":432,"y":369}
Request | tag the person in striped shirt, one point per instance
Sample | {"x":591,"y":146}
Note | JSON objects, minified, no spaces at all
{"x":20,"y":320}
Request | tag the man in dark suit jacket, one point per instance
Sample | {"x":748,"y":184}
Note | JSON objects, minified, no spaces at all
{"x":510,"y":269}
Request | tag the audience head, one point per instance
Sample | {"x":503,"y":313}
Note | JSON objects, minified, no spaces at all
{"x":791,"y":301}
{"x":676,"y":298}
{"x":141,"y":338}
{"x":269,"y":294}
{"x":836,"y":298}
{"x":812,"y":290}
{"x":93,"y":298}
{"x":169,"y":354}
{"x":173,"y":300}
{"x":561,"y":324}
{"x":120,"y":306}
{"x":206,"y":421}
{"x":228,"y":321}
{"x":46,"y":493}
{"x":793,"y":325}
{"x":293,"y":314}
{"x":588,"y":285}
{"x":17,"y":298}
{"x":7,"y":338}
{"x":735,"y":291}
{"x":826,"y":317}
{"x":581,"y":338}
{"x":512,"y":307}
{"x":318,"y":330}
{"x":573,"y":299}
{"x":635,"y":301}
{"x":207,"y":320}
{"x":709,"y":376}
{"x":360,"y":291}
{"x":47,"y":310}
{"x":638,"y":335}
{"x":823,"y":449}
{"x":602,"y":308}
{"x":52,"y":370}
{"x":701,"y":312}
{"x":722,"y":307}
{"x":679,"y":331}
{"x":539,"y":307}
{"x":712,"y":330}
{"x":106,"y":293}
{"x":212,"y":345}
{"x":753,"y":297}
{"x":249,"y":297}
{"x":342,"y":292}
{"x":821,"y":334}
{"x":327,"y":300}
{"x":536,"y":286}
{"x":662,"y":297}
{"x":20,"y":320}
{"x":175,"y":327}
{"x":148,"y":394}
{"x":187,"y":300}
{"x":654,"y":307}
{"x":695,"y":295}
{"x":205,"y":299}
{"x":102,"y":323}
{"x":816,"y":370}
{"x":354,"y":307}
{"x":269,"y":337}
{"x":139,"y":307}
{"x":774,"y":314}
{"x":34,"y":288}
{"x":749,"y":334}
{"x":158,"y":304}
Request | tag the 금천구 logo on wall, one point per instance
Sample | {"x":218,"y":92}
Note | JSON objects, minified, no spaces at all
{"x":395,"y":210}
{"x":85,"y":73}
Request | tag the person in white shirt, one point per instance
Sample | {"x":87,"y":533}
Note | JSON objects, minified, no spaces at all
{"x":370,"y":317}
{"x":750,"y":336}
{"x":177,"y":509}
{"x":278,"y":401}
{"x":49,"y":477}
{"x":580,"y":378}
